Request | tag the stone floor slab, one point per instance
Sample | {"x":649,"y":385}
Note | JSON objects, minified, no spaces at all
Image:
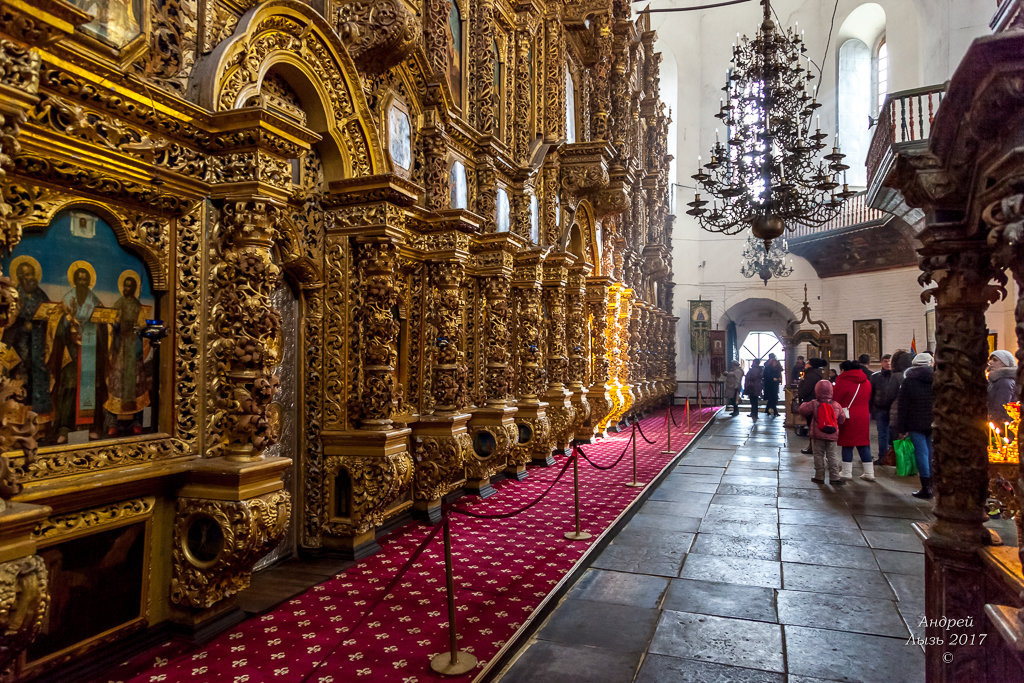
{"x":891,"y":540}
{"x":838,"y":580}
{"x":621,"y":628}
{"x":721,"y":599}
{"x":853,"y":613}
{"x":620,"y":588}
{"x":641,"y":560}
{"x":738,"y":529}
{"x":665,"y":669}
{"x":822,"y":534}
{"x":893,"y":561}
{"x":744,"y":501}
{"x":545,"y":660}
{"x":828,"y":554}
{"x":748,"y":644}
{"x":841,"y":656}
{"x":738,"y":570}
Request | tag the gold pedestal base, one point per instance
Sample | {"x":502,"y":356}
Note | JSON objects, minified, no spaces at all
{"x":578,"y":535}
{"x":668,"y":452}
{"x":636,"y":484}
{"x":443,"y":663}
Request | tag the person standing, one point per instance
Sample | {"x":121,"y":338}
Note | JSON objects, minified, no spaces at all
{"x":805,"y":392}
{"x":1002,"y":385}
{"x":733,"y":383}
{"x":884,"y":388}
{"x":772,"y":380}
{"x":853,"y":392}
{"x":798,"y":370}
{"x":752,"y":386}
{"x":914,"y":416}
{"x":824,"y":441}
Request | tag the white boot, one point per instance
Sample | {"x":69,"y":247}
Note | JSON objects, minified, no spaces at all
{"x":847,"y":472}
{"x":869,"y":471}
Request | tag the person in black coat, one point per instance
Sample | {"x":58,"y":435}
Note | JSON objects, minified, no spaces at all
{"x":914,"y":416}
{"x":805,"y":390}
{"x":772,"y":380}
{"x":752,"y":386}
{"x":885,"y":386}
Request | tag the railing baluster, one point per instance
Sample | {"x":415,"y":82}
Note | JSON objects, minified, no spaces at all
{"x":920,"y":116}
{"x":903,"y":120}
{"x":910,"y":103}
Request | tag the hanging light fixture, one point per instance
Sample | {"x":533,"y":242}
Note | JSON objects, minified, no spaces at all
{"x":768,"y":175}
{"x":765,"y":261}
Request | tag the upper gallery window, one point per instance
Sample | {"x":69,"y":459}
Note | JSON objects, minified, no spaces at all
{"x":459,"y":186}
{"x":399,"y":137}
{"x":881,"y":73}
{"x":502,"y":211}
{"x":855,"y":106}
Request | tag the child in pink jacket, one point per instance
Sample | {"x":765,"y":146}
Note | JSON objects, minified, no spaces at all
{"x":824,"y":443}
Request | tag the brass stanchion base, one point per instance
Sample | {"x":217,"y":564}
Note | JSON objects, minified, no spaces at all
{"x":636,"y":484}
{"x":578,"y":535}
{"x":442,"y":663}
{"x":668,"y":452}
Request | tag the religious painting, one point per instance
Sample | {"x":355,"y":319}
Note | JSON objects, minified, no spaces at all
{"x":115,"y":22}
{"x":837,"y":352}
{"x":993,"y":342}
{"x":455,"y":52}
{"x":717,"y":352}
{"x":867,"y":338}
{"x":700,"y":326}
{"x":97,"y":583}
{"x":82,"y":302}
{"x":399,"y":138}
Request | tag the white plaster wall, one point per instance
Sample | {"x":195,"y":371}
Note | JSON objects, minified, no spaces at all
{"x":926,"y":40}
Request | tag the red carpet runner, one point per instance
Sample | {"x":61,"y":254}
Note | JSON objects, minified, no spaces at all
{"x":503,"y":568}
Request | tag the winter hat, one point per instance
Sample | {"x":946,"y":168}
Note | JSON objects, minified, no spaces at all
{"x":922,"y":359}
{"x":823,"y":390}
{"x":1004,"y":357}
{"x":818,"y":362}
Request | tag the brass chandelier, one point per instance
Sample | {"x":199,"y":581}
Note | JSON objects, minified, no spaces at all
{"x":765,"y":261}
{"x":768,"y":175}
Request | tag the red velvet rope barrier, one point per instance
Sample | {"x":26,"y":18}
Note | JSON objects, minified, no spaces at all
{"x":506,"y":515}
{"x":593,"y":464}
{"x":672,"y":415}
{"x":637,"y":425}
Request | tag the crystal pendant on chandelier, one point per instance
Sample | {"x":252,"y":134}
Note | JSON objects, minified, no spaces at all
{"x":765,"y":261}
{"x":767,"y":175}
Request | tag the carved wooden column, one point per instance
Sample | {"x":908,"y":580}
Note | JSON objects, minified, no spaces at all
{"x":532,"y":419}
{"x":523,"y":89}
{"x":481,"y":87}
{"x":601,"y":74}
{"x":441,"y":441}
{"x":627,"y":398}
{"x":554,"y":76}
{"x":961,"y":272}
{"x":492,"y":427}
{"x":560,"y":408}
{"x":598,"y":393}
{"x":578,"y":341}
{"x":638,"y":378}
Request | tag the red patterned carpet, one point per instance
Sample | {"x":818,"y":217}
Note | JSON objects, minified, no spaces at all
{"x":504,"y":569}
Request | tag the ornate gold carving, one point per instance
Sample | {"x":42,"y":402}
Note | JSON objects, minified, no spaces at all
{"x":440,"y":463}
{"x":60,"y":526}
{"x":449,"y":366}
{"x":377,"y":482}
{"x":378,"y":33}
{"x":246,"y":329}
{"x":59,"y":461}
{"x":24,"y":598}
{"x":217,"y":542}
{"x":377,"y":296}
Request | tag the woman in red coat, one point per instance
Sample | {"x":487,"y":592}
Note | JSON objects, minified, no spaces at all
{"x":853,"y":392}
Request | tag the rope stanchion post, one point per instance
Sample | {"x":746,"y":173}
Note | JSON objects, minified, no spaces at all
{"x":635,"y":484}
{"x":576,"y":535}
{"x":668,"y":431}
{"x":454,"y":662}
{"x":688,"y":428}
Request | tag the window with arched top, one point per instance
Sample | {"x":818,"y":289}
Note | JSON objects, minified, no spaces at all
{"x":881,"y":73}
{"x":570,"y":108}
{"x":459,"y":186}
{"x":502,"y":211}
{"x":854,"y":107}
{"x":534,"y":219}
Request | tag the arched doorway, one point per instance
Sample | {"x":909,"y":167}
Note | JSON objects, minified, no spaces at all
{"x":758,"y":344}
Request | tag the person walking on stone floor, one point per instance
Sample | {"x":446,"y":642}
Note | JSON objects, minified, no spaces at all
{"x":914,"y":416}
{"x":900,"y":364}
{"x":772,"y":380}
{"x":752,"y":385}
{"x":1002,"y":385}
{"x":853,"y":392}
{"x":885,"y":385}
{"x":805,"y":392}
{"x":826,"y":416}
{"x":733,"y":384}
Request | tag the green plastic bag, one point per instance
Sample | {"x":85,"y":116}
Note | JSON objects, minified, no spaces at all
{"x":906,"y":463}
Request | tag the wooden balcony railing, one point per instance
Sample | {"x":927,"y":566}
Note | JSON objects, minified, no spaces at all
{"x":854,"y":212}
{"x":906,"y":117}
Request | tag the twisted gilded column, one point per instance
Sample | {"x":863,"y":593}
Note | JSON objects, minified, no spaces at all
{"x":614,"y":354}
{"x":599,"y":393}
{"x":578,"y":343}
{"x":560,"y":408}
{"x":534,"y":426}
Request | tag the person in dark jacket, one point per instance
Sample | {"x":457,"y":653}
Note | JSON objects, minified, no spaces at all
{"x":865,"y":361}
{"x":853,"y":392}
{"x":752,"y":386}
{"x":733,"y":382}
{"x":914,"y":416}
{"x":900,"y":364}
{"x":884,"y":387}
{"x":772,"y":380}
{"x":805,"y":391}
{"x":1002,"y":385}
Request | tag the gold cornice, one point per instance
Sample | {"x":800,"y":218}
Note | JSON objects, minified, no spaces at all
{"x":62,"y":17}
{"x":388,"y":187}
{"x":263,"y":120}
